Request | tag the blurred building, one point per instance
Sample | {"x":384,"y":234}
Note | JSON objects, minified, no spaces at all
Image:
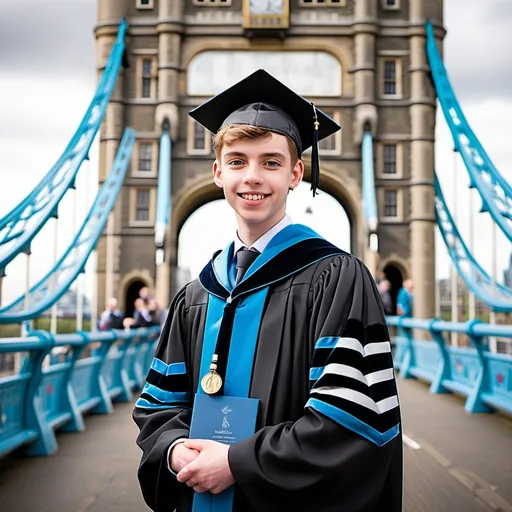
{"x":445,"y":296}
{"x":362,"y":62}
{"x":66,"y":307}
{"x":507,"y":274}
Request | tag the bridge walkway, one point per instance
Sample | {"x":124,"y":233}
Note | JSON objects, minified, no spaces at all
{"x":453,"y":461}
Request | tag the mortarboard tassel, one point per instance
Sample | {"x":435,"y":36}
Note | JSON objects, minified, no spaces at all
{"x":315,"y":164}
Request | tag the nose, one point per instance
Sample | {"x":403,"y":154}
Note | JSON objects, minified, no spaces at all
{"x":252,"y":175}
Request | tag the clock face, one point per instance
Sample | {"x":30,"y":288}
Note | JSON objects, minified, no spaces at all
{"x":266,"y":6}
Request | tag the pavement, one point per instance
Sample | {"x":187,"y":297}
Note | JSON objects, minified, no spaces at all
{"x":453,"y":461}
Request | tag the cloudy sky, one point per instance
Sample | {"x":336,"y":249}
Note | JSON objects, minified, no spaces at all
{"x":47,"y":78}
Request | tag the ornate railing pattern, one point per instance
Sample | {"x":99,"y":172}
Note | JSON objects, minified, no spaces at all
{"x":485,"y":378}
{"x":53,"y":392}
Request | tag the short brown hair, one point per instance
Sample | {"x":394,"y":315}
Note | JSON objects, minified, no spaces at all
{"x":230,"y":133}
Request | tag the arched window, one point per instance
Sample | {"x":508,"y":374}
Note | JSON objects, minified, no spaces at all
{"x":309,"y":73}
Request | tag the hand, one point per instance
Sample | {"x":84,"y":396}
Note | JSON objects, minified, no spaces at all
{"x":181,"y":457}
{"x":210,"y":470}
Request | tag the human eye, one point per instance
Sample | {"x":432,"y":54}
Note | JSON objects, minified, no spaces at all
{"x":273,"y":163}
{"x":236,"y":162}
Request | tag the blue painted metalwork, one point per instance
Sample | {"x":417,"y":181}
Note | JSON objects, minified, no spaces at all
{"x":21,"y":225}
{"x":497,"y":296}
{"x":58,"y":280}
{"x":163,"y":204}
{"x":495,"y":191}
{"x":41,"y":400}
{"x":369,"y":200}
{"x":485,"y":378}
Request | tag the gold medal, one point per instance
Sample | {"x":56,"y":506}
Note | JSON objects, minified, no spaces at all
{"x":212,"y":382}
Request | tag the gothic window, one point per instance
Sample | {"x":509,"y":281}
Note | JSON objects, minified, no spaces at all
{"x":391,"y":78}
{"x":390,"y":159}
{"x":145,"y":4}
{"x":198,"y":139}
{"x":391,"y":5}
{"x":208,"y":3}
{"x":390,"y":203}
{"x":310,"y":3}
{"x":142,"y":205}
{"x":146,"y":78}
{"x":331,"y":145}
{"x":145,"y":157}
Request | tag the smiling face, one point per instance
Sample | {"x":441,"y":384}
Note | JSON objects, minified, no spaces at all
{"x":256,"y":175}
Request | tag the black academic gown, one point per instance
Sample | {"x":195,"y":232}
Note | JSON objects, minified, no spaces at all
{"x":326,"y":440}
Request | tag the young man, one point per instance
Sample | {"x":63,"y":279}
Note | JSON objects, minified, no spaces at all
{"x":281,"y":316}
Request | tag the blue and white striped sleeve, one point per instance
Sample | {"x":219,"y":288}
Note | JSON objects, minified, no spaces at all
{"x":346,"y":447}
{"x":351,"y":377}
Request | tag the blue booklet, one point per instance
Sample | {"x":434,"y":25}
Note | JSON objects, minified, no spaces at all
{"x":225,"y":419}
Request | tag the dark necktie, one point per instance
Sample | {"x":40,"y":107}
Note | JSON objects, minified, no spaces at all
{"x":244,"y":259}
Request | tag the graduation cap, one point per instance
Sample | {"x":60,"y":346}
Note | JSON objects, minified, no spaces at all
{"x":261,"y":100}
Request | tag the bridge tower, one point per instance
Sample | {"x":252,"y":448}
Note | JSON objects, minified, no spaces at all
{"x":361,"y":61}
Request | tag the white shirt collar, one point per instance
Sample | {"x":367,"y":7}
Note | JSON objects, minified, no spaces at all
{"x":264,"y":240}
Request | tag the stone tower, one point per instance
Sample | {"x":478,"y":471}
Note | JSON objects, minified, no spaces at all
{"x":361,"y":61}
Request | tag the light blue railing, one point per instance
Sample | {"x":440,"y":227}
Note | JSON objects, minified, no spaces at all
{"x":43,"y":398}
{"x":485,"y":378}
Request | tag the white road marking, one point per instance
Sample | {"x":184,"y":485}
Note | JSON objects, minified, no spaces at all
{"x":411,"y":443}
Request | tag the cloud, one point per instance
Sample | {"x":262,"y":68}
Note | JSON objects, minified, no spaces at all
{"x":48,"y":38}
{"x":477,"y":49}
{"x":498,"y":12}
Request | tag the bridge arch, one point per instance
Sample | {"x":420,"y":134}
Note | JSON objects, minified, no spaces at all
{"x":396,"y":271}
{"x":196,"y":193}
{"x":130,"y":285}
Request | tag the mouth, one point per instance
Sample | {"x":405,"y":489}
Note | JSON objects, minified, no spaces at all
{"x":253,"y":196}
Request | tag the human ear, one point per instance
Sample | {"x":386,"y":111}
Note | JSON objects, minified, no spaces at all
{"x":297,"y":174}
{"x":217,"y":174}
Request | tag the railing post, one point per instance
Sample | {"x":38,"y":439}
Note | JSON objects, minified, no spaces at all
{"x":140,"y":360}
{"x":138,"y":357}
{"x":474,"y":402}
{"x":444,"y":370}
{"x":77,"y":420}
{"x":46,"y":442}
{"x":145,"y":355}
{"x":408,"y":361}
{"x":126,"y":395}
{"x":105,"y":406}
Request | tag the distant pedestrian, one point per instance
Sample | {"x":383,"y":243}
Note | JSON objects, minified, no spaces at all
{"x":111,"y":318}
{"x":385,"y":296}
{"x":145,"y":295}
{"x":404,"y":305}
{"x":142,"y":315}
